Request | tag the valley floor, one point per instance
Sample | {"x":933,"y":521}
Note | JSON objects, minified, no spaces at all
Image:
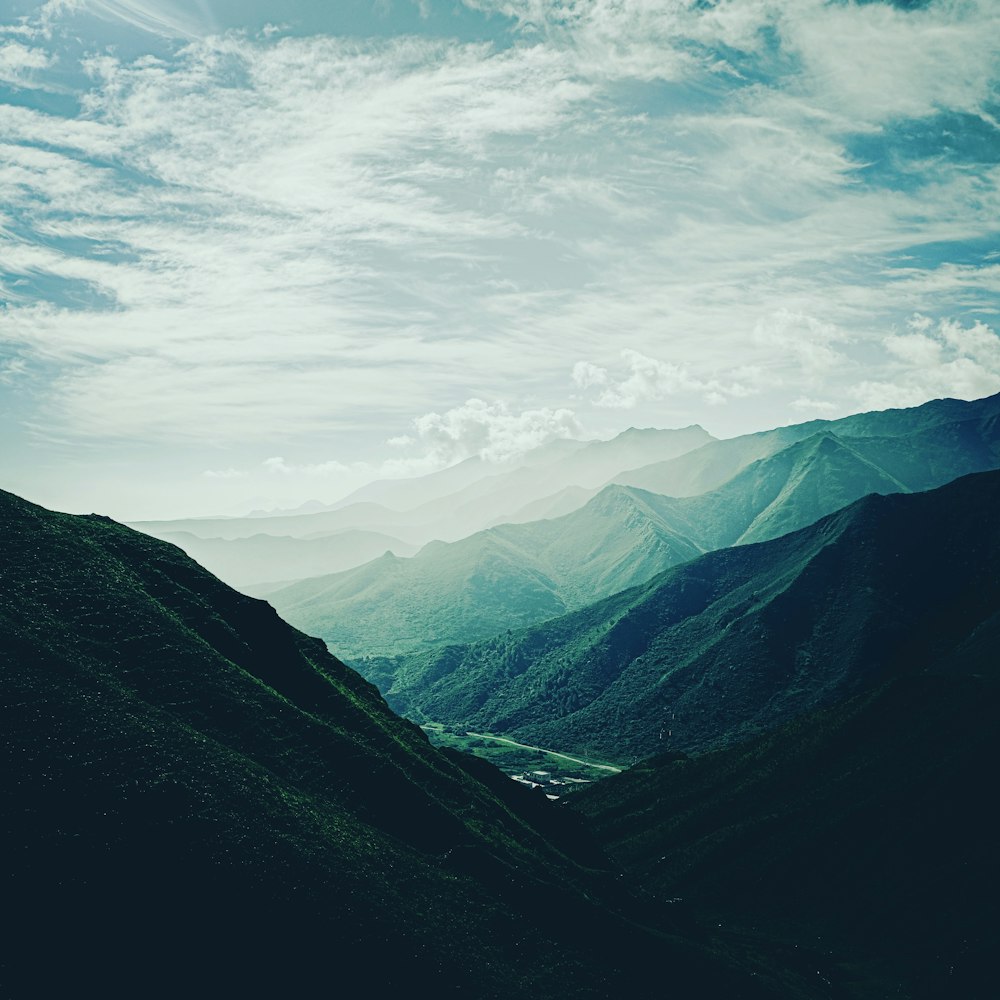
{"x":558,"y":773}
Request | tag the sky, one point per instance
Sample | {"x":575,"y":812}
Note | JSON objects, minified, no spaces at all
{"x":253,"y":253}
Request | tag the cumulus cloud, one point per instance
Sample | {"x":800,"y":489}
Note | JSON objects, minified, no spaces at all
{"x":650,"y":379}
{"x":807,"y":405}
{"x":805,"y":339}
{"x":586,"y":375}
{"x":943,"y":359}
{"x":491,"y":431}
{"x":19,"y":64}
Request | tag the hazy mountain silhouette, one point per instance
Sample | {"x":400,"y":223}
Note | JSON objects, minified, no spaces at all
{"x":514,"y":575}
{"x":240,"y":561}
{"x":446,"y":505}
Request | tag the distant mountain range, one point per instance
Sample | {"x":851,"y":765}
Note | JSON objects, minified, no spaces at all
{"x":445,"y":505}
{"x":198,"y":799}
{"x":241,"y":561}
{"x":514,"y":575}
{"x":736,"y":641}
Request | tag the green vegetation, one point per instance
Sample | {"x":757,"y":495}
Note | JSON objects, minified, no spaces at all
{"x":517,"y":760}
{"x":858,"y":841}
{"x":196,"y":799}
{"x":734,"y":642}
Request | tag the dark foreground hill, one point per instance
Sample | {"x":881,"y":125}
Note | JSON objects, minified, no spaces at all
{"x":736,"y":641}
{"x":197,"y":800}
{"x":859,"y":842}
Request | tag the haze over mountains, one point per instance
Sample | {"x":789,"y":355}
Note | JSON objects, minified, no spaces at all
{"x":446,"y":505}
{"x":514,"y":575}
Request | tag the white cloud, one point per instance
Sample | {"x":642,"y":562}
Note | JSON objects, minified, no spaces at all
{"x":316,"y":470}
{"x":158,"y":17}
{"x":807,"y":405}
{"x":875,"y":62}
{"x":805,"y":339}
{"x":586,"y":375}
{"x":872,"y":62}
{"x":229,"y":473}
{"x":946,"y":360}
{"x":12,"y":370}
{"x":649,"y":379}
{"x":653,"y":379}
{"x":20,"y":64}
{"x":491,"y":431}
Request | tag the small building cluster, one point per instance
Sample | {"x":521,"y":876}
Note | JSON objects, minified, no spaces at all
{"x":545,"y":781}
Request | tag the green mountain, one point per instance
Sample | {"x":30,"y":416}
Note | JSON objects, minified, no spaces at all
{"x":505,"y":577}
{"x":734,"y":642}
{"x":197,"y":799}
{"x":715,"y":463}
{"x":857,"y":842}
{"x":515,"y":575}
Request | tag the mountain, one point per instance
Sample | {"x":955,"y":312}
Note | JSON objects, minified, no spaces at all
{"x":405,"y":494}
{"x":505,"y":577}
{"x":512,"y":576}
{"x":407,"y":526}
{"x":239,"y":561}
{"x":446,"y":505}
{"x":197,"y":798}
{"x":859,"y":840}
{"x":537,"y":474}
{"x":713,"y":464}
{"x":735,"y":641}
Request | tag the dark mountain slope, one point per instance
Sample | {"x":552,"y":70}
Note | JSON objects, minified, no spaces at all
{"x":861,"y":837}
{"x":737,"y":640}
{"x":196,"y":798}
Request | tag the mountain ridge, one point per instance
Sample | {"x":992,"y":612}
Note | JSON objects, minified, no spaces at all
{"x":734,"y":641}
{"x":621,"y":537}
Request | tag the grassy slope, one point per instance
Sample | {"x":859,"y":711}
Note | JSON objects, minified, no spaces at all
{"x":737,"y":640}
{"x":196,"y":797}
{"x":859,"y":839}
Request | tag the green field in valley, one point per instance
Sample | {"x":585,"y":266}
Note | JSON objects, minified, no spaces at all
{"x":518,"y":760}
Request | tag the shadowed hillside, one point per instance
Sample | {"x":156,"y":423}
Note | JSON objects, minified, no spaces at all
{"x":198,"y":799}
{"x":858,"y":841}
